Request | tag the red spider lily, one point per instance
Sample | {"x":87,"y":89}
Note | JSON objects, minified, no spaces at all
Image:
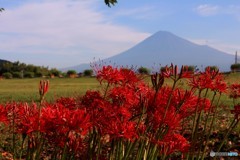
{"x":210,"y":79}
{"x":117,"y":76}
{"x":43,"y":87}
{"x":201,"y":82}
{"x":219,"y":85}
{"x":110,"y":75}
{"x":129,"y":77}
{"x":185,"y":102}
{"x":236,"y":111}
{"x":185,"y":72}
{"x":234,"y":91}
{"x":63,"y":120}
{"x":174,"y":142}
{"x":117,"y":128}
{"x":173,"y":72}
{"x":68,"y":102}
{"x":172,"y":120}
{"x":27,"y":120}
{"x":168,"y":71}
{"x":3,"y":115}
{"x":157,"y":81}
{"x":124,"y":96}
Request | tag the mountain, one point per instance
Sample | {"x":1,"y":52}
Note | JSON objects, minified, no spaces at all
{"x":164,"y":48}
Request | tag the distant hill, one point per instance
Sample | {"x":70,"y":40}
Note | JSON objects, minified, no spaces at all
{"x":164,"y":48}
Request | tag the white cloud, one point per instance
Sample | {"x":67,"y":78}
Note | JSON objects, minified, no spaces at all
{"x":63,"y":27}
{"x":207,"y":10}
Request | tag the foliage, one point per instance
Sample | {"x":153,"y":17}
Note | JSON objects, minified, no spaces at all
{"x":190,"y":68}
{"x":143,"y":70}
{"x":17,"y":75}
{"x":38,"y":74}
{"x":7,"y":75}
{"x":29,"y":74}
{"x":212,"y":68}
{"x":71,"y":72}
{"x":235,"y":67}
{"x":88,"y":72}
{"x":6,"y":66}
{"x":110,"y":2}
{"x":55,"y":72}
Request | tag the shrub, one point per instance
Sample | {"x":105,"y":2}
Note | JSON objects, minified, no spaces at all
{"x":71,"y":73}
{"x":143,"y":70}
{"x":38,"y":74}
{"x":55,"y":72}
{"x":235,"y":67}
{"x":7,"y":75}
{"x":17,"y":75}
{"x":212,"y":68}
{"x":29,"y":74}
{"x":189,"y":68}
{"x":88,"y":72}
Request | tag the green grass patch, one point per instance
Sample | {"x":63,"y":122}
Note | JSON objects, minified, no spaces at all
{"x":26,"y":90}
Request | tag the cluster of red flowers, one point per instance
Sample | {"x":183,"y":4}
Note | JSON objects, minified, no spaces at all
{"x":210,"y":79}
{"x":128,"y":110}
{"x":234,"y":91}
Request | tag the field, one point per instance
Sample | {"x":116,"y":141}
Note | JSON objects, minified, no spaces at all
{"x":26,"y":90}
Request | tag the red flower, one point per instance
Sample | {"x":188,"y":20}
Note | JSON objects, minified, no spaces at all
{"x":120,"y":129}
{"x":68,"y":102}
{"x":174,"y":143}
{"x":110,"y":75}
{"x":234,"y":91}
{"x":3,"y":115}
{"x":27,"y":120}
{"x":43,"y":87}
{"x":58,"y":118}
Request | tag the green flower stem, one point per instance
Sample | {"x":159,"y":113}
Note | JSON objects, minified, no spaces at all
{"x":169,"y":99}
{"x":211,"y":127}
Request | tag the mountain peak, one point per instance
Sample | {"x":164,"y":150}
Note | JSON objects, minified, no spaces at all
{"x":164,"y":48}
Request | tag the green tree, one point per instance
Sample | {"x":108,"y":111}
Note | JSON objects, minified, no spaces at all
{"x":110,"y":2}
{"x":212,"y":68}
{"x":71,"y":73}
{"x":235,"y":67}
{"x":29,"y":74}
{"x":88,"y":72}
{"x":17,"y":75}
{"x":55,"y":72}
{"x":143,"y":70}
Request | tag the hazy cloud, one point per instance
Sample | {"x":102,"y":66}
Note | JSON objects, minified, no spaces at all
{"x":207,"y":9}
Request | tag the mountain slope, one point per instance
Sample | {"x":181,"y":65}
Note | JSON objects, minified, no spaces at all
{"x":164,"y":48}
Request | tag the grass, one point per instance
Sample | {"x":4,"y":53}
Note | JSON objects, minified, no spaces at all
{"x":26,"y":90}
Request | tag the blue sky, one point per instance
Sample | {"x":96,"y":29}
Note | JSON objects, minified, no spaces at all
{"x":63,"y":33}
